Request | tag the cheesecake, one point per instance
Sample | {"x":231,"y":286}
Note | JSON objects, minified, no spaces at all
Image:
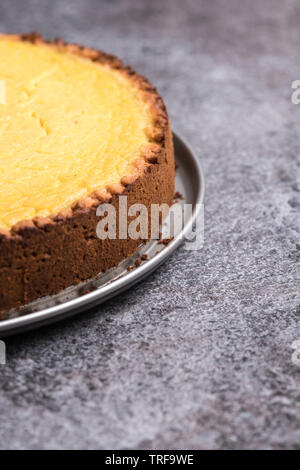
{"x":77,"y":129}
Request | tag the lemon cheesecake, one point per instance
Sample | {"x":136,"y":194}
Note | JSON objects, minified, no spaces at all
{"x":77,"y":129}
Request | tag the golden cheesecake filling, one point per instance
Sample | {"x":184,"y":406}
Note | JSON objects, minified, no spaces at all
{"x":68,"y":126}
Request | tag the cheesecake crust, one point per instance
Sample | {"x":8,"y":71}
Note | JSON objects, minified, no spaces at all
{"x":44,"y":255}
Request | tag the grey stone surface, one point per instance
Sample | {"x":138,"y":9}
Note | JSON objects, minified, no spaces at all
{"x":199,"y":354}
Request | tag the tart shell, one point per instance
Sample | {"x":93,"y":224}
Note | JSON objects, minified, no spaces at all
{"x":42,"y":256}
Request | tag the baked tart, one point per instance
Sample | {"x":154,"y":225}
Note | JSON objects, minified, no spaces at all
{"x":77,"y":129}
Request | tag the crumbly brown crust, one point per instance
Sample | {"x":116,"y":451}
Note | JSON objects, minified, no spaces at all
{"x":45,"y":255}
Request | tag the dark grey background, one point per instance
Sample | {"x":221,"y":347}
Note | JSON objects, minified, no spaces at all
{"x":198,"y":355}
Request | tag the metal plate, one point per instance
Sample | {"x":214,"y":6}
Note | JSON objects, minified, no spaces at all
{"x":75,"y":299}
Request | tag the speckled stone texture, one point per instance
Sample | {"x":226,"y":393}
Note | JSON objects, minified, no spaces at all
{"x":199,"y":355}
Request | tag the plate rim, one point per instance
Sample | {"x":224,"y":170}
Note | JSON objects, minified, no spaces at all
{"x":74,"y":306}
